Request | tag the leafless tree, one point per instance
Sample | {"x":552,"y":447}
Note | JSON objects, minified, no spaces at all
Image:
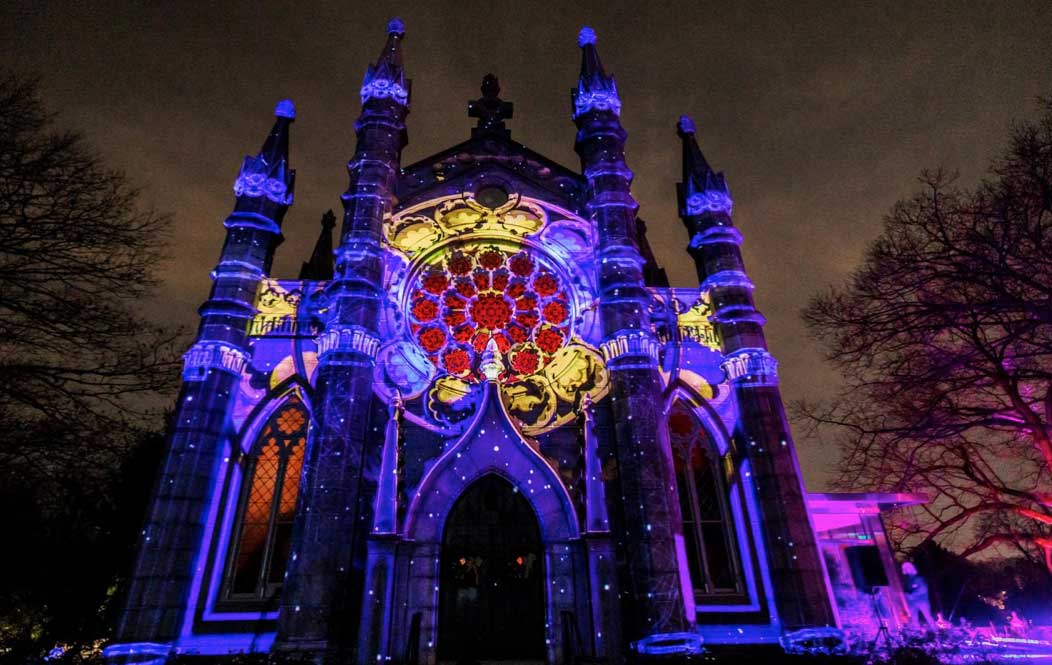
{"x":943,"y":337}
{"x":78,"y":367}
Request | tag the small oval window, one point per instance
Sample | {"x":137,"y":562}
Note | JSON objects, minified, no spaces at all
{"x":492,"y":196}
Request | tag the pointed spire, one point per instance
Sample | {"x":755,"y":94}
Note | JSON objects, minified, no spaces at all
{"x":320,"y":266}
{"x":702,"y":190}
{"x":595,"y":90}
{"x":268,"y":173}
{"x":386,"y":79}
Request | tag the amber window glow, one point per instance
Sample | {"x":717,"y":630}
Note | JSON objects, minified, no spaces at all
{"x":268,"y":505}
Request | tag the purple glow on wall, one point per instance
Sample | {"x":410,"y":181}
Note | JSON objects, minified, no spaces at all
{"x":546,"y":413}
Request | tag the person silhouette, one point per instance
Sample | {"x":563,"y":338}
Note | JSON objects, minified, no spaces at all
{"x":916,"y":590}
{"x":1017,"y":625}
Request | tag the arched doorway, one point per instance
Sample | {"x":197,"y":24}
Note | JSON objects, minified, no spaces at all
{"x":491,"y":603}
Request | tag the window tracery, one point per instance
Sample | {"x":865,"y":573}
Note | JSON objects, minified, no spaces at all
{"x":712,"y":554}
{"x":483,"y":292}
{"x":260,"y":551}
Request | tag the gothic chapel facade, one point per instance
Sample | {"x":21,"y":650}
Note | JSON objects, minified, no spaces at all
{"x":480,"y":423}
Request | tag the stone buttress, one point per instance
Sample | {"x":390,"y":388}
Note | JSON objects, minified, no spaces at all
{"x":761,"y":433}
{"x":159,"y":604}
{"x":320,"y":603}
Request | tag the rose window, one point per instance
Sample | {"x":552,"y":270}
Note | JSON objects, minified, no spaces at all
{"x":484,"y":293}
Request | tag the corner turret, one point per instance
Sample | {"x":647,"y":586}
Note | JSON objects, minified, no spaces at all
{"x":343,"y":460}
{"x":386,"y":79}
{"x":160,"y":592}
{"x":702,"y":189}
{"x":794,"y":558}
{"x":596,"y":91}
{"x":643,"y":525}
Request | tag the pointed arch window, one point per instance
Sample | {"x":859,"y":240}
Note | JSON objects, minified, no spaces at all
{"x":263,"y":531}
{"x":708,"y":530}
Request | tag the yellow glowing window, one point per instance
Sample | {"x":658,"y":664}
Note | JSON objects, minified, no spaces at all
{"x":268,"y":505}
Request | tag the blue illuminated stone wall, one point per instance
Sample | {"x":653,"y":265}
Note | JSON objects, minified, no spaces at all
{"x":488,"y":312}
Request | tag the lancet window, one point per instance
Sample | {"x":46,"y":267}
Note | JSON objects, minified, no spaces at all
{"x":263,"y":530}
{"x":712,"y":553}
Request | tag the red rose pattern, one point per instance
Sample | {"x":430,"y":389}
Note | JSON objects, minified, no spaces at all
{"x":545,"y":285}
{"x":490,"y":311}
{"x":424,"y":310}
{"x":491,"y":259}
{"x":460,"y":264}
{"x":549,"y":340}
{"x":435,"y":282}
{"x":457,"y":361}
{"x":555,"y":312}
{"x":432,"y":339}
{"x":525,"y":361}
{"x":489,"y":293}
{"x":521,"y":264}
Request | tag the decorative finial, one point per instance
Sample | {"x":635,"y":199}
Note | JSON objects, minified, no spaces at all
{"x":686,"y":125}
{"x":491,"y":364}
{"x":386,"y":79}
{"x":586,"y":36}
{"x":267,"y":174}
{"x":285,"y":109}
{"x":596,"y":91}
{"x":703,"y":190}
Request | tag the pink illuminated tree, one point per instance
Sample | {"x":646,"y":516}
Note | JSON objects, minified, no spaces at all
{"x":943,"y":337}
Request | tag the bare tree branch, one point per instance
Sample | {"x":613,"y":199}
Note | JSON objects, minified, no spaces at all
{"x":943,"y":336}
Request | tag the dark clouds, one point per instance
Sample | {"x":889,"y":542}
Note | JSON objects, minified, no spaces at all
{"x":821,"y":114}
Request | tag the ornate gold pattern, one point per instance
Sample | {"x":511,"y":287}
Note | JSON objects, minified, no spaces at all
{"x":414,"y":231}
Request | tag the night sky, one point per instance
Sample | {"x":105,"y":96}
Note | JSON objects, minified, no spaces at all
{"x":821,"y":114}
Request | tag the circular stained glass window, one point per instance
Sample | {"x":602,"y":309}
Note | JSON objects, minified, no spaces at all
{"x":487,"y":292}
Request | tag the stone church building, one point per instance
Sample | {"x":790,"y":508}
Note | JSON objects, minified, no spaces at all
{"x":480,"y":423}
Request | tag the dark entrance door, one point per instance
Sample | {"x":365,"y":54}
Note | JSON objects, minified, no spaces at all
{"x":492,"y":588}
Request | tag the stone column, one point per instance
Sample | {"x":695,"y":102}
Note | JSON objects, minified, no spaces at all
{"x":322,"y":598}
{"x":375,"y":629}
{"x":761,"y":432}
{"x":647,"y":515}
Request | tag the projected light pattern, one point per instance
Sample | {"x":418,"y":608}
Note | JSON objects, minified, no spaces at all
{"x":482,"y":292}
{"x":485,"y":316}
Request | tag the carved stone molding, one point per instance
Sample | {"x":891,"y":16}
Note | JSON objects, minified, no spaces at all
{"x":715,"y":235}
{"x":203,"y":357}
{"x":382,"y":88}
{"x":752,"y":367}
{"x":725,"y":278}
{"x":630,"y":343}
{"x":709,"y":201}
{"x":347,"y":339}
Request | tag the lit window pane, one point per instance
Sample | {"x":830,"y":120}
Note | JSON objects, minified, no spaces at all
{"x":269,"y":505}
